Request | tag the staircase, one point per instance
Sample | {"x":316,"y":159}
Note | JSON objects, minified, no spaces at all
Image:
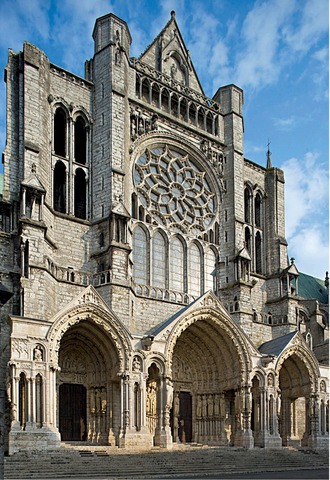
{"x":79,"y":461}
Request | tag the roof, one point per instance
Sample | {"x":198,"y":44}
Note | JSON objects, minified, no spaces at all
{"x":169,"y":320}
{"x":276,"y":346}
{"x":312,"y":288}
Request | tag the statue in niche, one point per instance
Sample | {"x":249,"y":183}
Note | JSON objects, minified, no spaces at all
{"x":92,"y":400}
{"x":103,"y":400}
{"x":38,"y":354}
{"x":173,"y":71}
{"x":270,"y":380}
{"x":198,"y":407}
{"x":204,"y":406}
{"x":216,"y":405}
{"x":210,"y":406}
{"x":169,"y":393}
{"x":136,"y":365}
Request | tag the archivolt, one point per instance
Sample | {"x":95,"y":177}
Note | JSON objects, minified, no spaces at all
{"x":111,"y":326}
{"x":306,"y":357}
{"x":221,"y":322}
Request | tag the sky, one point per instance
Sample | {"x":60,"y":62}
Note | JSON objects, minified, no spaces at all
{"x":275,"y":50}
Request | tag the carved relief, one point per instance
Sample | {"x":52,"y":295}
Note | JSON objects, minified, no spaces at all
{"x":19,"y":347}
{"x":142,"y":122}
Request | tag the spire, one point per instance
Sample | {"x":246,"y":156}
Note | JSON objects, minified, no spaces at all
{"x":269,"y":162}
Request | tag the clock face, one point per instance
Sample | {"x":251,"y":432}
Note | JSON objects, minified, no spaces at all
{"x":174,"y":190}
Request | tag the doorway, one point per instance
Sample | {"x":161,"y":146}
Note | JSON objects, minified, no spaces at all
{"x":185,"y":418}
{"x":72,"y":412}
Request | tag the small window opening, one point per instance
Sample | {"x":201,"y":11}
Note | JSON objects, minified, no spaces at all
{"x":60,"y":132}
{"x":60,"y":187}
{"x":80,"y":194}
{"x":80,"y":141}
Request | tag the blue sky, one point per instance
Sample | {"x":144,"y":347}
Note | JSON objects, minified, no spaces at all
{"x":276,"y":50}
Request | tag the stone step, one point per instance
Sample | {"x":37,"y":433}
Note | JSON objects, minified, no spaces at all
{"x":84,"y":461}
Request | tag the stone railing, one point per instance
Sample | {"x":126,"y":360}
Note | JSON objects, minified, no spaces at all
{"x":174,"y":84}
{"x":163,"y":294}
{"x":78,"y":277}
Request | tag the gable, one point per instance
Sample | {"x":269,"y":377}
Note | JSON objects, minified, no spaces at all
{"x":169,"y":55}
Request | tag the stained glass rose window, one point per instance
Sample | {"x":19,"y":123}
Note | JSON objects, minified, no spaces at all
{"x":174,"y":190}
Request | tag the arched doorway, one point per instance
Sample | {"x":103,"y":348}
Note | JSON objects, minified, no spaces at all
{"x":211,"y":397}
{"x":295,"y":387}
{"x":88,"y":386}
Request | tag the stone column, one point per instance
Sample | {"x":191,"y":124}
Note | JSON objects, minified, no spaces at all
{"x":243,"y":436}
{"x":223,"y":436}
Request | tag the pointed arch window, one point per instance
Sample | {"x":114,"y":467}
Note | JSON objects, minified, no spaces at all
{"x":80,"y":138}
{"x":210,"y":270}
{"x":158,"y":261}
{"x":80,"y":194}
{"x":248,"y":239}
{"x":195,"y":267}
{"x":247,"y":205}
{"x":258,"y":245}
{"x":60,"y":127}
{"x":140,"y":256}
{"x":59,"y":200}
{"x":176,"y":265}
{"x":257,"y":210}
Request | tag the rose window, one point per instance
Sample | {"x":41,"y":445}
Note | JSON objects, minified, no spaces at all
{"x":174,"y":191}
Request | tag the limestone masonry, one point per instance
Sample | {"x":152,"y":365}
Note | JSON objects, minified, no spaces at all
{"x":146,"y":293}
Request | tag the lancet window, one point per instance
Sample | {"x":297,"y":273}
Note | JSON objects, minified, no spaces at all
{"x":71,"y":144}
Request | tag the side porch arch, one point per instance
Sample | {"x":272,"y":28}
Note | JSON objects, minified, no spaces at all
{"x":298,"y":375}
{"x":89,"y":350}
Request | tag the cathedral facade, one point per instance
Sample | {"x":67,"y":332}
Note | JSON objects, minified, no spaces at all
{"x":149,"y":296}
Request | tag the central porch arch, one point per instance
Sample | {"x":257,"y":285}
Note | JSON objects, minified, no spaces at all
{"x":208,"y":358}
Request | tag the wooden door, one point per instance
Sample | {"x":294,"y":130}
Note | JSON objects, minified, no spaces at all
{"x":185,"y":417}
{"x":72,"y":412}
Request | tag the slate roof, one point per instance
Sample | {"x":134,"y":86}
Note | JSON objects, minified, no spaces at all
{"x":276,"y":346}
{"x":168,"y":321}
{"x":312,"y":288}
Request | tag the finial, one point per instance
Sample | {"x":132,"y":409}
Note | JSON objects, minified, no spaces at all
{"x":292,"y":260}
{"x":173,"y":14}
{"x":326,"y":281}
{"x":269,"y":162}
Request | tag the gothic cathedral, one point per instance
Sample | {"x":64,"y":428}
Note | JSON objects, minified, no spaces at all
{"x":147,"y":296}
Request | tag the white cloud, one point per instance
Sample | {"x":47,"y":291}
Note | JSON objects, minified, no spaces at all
{"x":306,"y":207}
{"x":285,"y":123}
{"x":311,"y":251}
{"x":313,"y":22}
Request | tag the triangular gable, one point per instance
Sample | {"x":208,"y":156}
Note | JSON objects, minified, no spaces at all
{"x":208,"y":299}
{"x":33,"y":182}
{"x":120,"y":209}
{"x":169,"y":55}
{"x":276,"y":346}
{"x":244,"y":254}
{"x":88,"y":296}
